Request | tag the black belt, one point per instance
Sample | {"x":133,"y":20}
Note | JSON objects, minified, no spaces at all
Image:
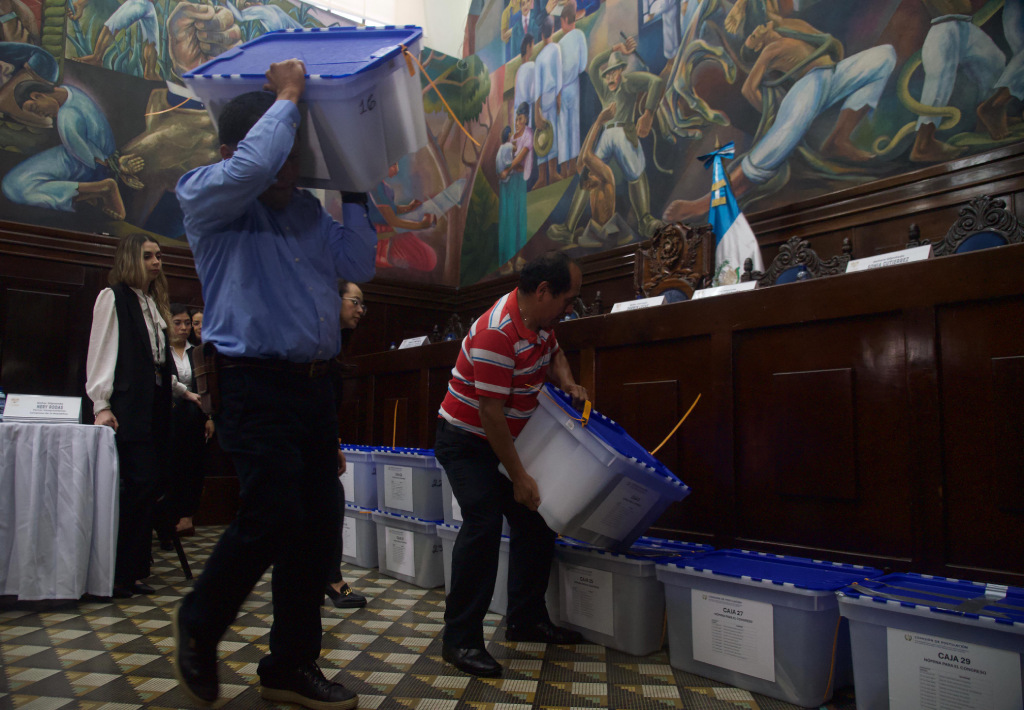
{"x":447,"y":426}
{"x":312,"y":370}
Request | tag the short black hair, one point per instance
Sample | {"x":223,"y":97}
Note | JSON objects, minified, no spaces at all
{"x":523,"y":109}
{"x":555,"y":267}
{"x":524,"y":46}
{"x":23,"y":91}
{"x":568,"y":15}
{"x":548,"y":28}
{"x":506,"y":133}
{"x":241,"y":114}
{"x":177,"y":308}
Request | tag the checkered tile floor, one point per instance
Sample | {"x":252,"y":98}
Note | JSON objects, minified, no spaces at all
{"x":116,"y":656}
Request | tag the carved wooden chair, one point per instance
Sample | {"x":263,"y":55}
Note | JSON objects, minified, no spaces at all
{"x":796,"y":261}
{"x":676,"y":261}
{"x":983,"y":223}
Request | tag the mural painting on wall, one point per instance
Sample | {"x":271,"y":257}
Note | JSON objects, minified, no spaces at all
{"x":605,"y":106}
{"x":573,"y":126}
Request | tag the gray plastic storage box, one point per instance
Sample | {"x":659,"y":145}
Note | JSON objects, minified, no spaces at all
{"x":360,"y":477}
{"x":499,"y":600}
{"x":359,"y":537}
{"x":765,"y":623}
{"x":409,"y":482}
{"x":615,"y":599}
{"x":409,"y":549}
{"x":929,"y":642}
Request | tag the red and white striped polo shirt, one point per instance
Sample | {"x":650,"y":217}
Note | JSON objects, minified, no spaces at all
{"x":500,"y":358}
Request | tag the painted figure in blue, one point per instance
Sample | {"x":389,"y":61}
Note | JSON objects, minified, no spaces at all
{"x":24,"y":62}
{"x":526,"y":80}
{"x":519,"y":19}
{"x":269,"y":15}
{"x":573,"y":45}
{"x":142,"y":12}
{"x":549,"y":95}
{"x":78,"y":170}
{"x":512,"y":230}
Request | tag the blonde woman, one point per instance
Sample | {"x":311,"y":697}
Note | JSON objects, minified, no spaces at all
{"x":129,"y":379}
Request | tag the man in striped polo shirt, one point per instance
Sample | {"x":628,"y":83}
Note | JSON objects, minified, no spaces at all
{"x":509,"y":353}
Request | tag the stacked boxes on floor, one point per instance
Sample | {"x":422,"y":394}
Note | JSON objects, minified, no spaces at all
{"x":614,"y":599}
{"x":410,"y":507}
{"x":359,"y":537}
{"x":765,"y":623}
{"x":499,"y":600}
{"x":360,"y":477}
{"x":931,"y":642}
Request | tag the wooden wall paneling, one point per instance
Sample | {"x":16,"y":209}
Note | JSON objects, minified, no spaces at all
{"x":646,"y":387}
{"x":866,"y":517}
{"x":982,"y":391}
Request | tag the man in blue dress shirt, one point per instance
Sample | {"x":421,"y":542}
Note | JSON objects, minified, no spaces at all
{"x":269,"y":258}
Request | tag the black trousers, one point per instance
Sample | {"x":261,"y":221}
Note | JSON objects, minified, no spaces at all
{"x":334,"y":570}
{"x":485,"y":496}
{"x":142,"y":473}
{"x":280,"y":430}
{"x":187,"y":460}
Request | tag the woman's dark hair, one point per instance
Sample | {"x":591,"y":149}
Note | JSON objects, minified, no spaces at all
{"x":177,"y":308}
{"x":523,"y":109}
{"x":192,"y":310}
{"x":553,"y":267}
{"x":241,"y":113}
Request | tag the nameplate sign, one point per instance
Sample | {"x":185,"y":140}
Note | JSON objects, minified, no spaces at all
{"x":414,"y":342}
{"x":637,"y":304}
{"x":722,"y":290}
{"x":40,"y":408}
{"x":891,"y":259}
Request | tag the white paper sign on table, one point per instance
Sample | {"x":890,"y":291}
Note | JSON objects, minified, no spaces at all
{"x":414,"y":342}
{"x":587,"y":598}
{"x":723,"y":290}
{"x":349,"y":536}
{"x":398,"y":487}
{"x":637,"y":304}
{"x":895,"y":258}
{"x":43,"y":408}
{"x":733,"y":633}
{"x":927,"y":671}
{"x":398,"y":551}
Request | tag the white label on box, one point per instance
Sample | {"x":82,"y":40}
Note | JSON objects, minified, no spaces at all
{"x":399,"y":551}
{"x":891,"y":259}
{"x":348,"y":480}
{"x":398,"y":487}
{"x":39,"y":408}
{"x":722,"y":290}
{"x":935,"y":673}
{"x":622,"y":509}
{"x":456,"y":509}
{"x":414,"y":342}
{"x":587,"y":598}
{"x":348,"y":536}
{"x":637,"y":304}
{"x":732,"y":633}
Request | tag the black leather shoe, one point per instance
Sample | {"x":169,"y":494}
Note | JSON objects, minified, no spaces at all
{"x":346,"y":598}
{"x":195,"y":666}
{"x":307,"y":686}
{"x":543,"y":632}
{"x":475,"y":661}
{"x":142,"y":588}
{"x":122,"y":591}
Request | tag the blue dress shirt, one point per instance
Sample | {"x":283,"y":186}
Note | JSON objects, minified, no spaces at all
{"x":270,"y":277}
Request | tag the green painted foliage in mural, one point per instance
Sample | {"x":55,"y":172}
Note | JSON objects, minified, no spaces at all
{"x":464,"y":83}
{"x":480,"y":239}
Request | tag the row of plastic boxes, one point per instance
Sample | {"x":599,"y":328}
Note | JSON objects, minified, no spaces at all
{"x":785,"y":627}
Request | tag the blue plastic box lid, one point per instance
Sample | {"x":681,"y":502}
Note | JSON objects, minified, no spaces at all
{"x":614,"y":436}
{"x":399,"y":451}
{"x":972,"y":600}
{"x":389,"y":514}
{"x":799,"y":572}
{"x":330,"y":52}
{"x":645,"y":548}
{"x":357,"y":508}
{"x":358,"y":448}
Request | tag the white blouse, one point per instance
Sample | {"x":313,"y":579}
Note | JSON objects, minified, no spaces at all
{"x":184,"y":368}
{"x":101,"y":361}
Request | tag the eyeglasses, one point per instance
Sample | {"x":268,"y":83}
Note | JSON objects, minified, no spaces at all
{"x":355,"y":302}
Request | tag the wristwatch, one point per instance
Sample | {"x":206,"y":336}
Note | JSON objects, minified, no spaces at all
{"x":354,"y":198}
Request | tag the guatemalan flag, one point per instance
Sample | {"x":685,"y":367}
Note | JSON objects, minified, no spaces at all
{"x":734,"y":239}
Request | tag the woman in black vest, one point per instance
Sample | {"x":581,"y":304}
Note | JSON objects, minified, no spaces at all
{"x":129,"y":381}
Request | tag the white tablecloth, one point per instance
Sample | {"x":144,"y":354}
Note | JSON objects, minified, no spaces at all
{"x":58,"y":510}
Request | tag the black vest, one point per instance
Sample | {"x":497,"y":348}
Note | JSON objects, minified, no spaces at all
{"x":142,"y":410}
